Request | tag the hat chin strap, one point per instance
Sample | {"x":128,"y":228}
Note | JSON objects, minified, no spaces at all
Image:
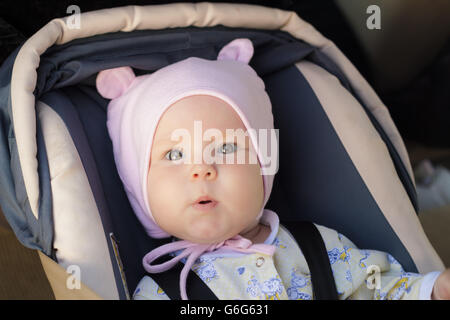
{"x":193,"y":250}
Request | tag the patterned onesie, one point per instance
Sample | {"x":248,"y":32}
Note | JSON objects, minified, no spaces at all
{"x":359,"y":274}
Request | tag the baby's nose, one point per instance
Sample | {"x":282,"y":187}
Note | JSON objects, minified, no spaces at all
{"x":203,"y":171}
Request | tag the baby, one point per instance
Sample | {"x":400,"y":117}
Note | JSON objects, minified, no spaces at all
{"x":179,"y":137}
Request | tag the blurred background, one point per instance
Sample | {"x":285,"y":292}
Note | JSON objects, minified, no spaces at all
{"x":407,"y":62}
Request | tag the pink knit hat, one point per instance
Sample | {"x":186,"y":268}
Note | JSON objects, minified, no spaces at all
{"x":138,"y":103}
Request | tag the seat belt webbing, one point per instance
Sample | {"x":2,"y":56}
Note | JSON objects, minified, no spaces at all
{"x":313,"y":248}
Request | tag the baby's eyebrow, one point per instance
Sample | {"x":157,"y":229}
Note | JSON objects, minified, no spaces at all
{"x":167,"y":139}
{"x":163,"y":143}
{"x":164,"y":140}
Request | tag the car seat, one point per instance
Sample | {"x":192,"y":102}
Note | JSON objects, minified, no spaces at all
{"x":342,"y":162}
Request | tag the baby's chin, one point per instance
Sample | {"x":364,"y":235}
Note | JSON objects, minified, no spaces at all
{"x":208,"y":232}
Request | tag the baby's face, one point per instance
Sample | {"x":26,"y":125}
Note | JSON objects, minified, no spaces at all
{"x":174,"y":185}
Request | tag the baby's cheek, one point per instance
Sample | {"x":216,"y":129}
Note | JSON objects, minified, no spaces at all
{"x":246,"y":184}
{"x":162,"y":190}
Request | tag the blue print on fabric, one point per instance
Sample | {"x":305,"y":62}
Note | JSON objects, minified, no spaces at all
{"x":380,"y":295}
{"x":298,"y":282}
{"x":205,"y":269}
{"x":268,"y":290}
{"x":334,"y":255}
{"x":279,"y":244}
{"x":400,"y":288}
{"x":348,"y":276}
{"x":366,"y":254}
{"x":345,"y":255}
{"x":160,"y":291}
{"x":296,"y":295}
{"x":392,"y":260}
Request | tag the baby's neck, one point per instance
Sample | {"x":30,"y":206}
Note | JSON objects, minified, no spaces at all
{"x":258,"y":234}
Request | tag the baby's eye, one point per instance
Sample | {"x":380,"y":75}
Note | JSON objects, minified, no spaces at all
{"x":227,"y":148}
{"x":174,"y":154}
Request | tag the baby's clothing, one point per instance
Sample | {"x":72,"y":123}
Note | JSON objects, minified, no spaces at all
{"x":285,"y":275}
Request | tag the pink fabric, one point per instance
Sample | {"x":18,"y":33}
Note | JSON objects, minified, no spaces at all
{"x":138,"y":103}
{"x":121,"y":78}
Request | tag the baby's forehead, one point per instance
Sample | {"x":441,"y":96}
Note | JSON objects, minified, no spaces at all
{"x":199,"y":111}
{"x":201,"y":105}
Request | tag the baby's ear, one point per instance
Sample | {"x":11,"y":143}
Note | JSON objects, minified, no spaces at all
{"x":237,"y":50}
{"x":112,"y":83}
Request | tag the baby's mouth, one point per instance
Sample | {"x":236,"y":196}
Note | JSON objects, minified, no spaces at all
{"x":204,"y":203}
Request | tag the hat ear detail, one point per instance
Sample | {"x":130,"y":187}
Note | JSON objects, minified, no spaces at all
{"x":237,"y":50}
{"x":112,"y":83}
